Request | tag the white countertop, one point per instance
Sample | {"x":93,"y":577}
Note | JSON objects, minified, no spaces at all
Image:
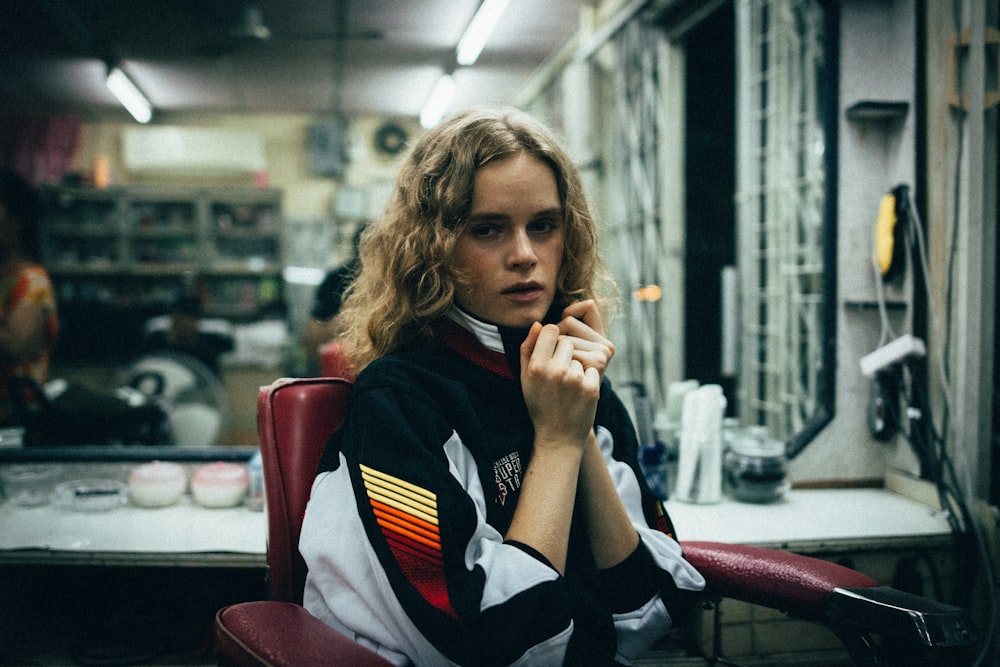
{"x":181,"y":531}
{"x":813,"y":517}
{"x":188,"y":534}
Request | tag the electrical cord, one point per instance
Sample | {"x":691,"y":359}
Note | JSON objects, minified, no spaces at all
{"x":954,"y":492}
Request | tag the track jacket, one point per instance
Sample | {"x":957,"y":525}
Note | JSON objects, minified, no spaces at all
{"x":403,"y":534}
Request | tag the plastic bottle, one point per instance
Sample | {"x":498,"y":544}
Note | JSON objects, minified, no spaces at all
{"x":653,"y":462}
{"x":255,"y":487}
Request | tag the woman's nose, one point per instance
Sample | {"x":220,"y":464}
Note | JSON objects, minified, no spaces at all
{"x":522,"y":251}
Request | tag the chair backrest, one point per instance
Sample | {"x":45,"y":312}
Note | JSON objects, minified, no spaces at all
{"x":295,"y":418}
{"x":332,"y":361}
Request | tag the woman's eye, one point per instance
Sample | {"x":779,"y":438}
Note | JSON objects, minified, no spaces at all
{"x":484,"y":231}
{"x":543,"y":225}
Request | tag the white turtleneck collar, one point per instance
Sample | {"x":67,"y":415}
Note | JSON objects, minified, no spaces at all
{"x":486,"y":333}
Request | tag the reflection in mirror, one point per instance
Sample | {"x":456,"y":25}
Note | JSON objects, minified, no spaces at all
{"x":669,"y":206}
{"x":171,"y":314}
{"x":786,"y":203}
{"x":159,"y":405}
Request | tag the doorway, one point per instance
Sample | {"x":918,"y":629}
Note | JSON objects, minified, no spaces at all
{"x":710,"y":174}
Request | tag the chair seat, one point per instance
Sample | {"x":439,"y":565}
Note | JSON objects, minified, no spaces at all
{"x":282,"y":633}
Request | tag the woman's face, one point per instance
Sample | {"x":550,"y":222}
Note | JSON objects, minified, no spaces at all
{"x":511,"y":250}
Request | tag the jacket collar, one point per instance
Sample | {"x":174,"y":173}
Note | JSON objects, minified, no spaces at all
{"x":495,"y":347}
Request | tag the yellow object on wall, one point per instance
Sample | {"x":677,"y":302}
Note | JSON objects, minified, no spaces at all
{"x":889,"y":226}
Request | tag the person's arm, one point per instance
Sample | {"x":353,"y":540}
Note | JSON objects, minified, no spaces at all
{"x":613,"y":538}
{"x":561,"y":396}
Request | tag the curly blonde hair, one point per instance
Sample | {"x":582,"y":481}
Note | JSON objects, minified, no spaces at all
{"x":407,"y":279}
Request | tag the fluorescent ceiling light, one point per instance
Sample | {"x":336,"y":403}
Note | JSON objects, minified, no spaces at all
{"x":303,"y":275}
{"x":438,"y":101}
{"x":479,"y":31}
{"x":130,"y":96}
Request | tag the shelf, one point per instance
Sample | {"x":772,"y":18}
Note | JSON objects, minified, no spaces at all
{"x":873,"y":305}
{"x":243,"y":269}
{"x":877,"y":110}
{"x":58,"y":269}
{"x":83,"y":231}
{"x":142,"y":247}
{"x":165,"y":233}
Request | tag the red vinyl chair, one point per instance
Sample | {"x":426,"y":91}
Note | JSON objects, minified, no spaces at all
{"x":333,"y":363}
{"x":878,"y":625}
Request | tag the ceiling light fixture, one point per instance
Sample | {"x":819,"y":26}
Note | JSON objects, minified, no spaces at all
{"x":437,"y":101}
{"x":479,"y":31}
{"x":129,"y":95}
{"x":303,"y":275}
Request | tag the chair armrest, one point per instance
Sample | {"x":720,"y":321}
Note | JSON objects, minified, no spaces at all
{"x":281,"y":633}
{"x":844,"y":599}
{"x":916,"y":620}
{"x":796,"y":584}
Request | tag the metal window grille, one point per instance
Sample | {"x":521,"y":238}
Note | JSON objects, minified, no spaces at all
{"x":634,"y":194}
{"x":780,"y":186}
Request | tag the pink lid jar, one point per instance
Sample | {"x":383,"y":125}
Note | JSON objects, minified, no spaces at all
{"x":219,"y":484}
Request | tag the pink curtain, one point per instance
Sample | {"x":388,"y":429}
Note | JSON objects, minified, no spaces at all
{"x":39,"y":147}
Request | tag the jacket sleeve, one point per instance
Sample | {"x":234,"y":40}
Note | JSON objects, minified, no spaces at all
{"x":655,"y":585}
{"x":474,"y":598}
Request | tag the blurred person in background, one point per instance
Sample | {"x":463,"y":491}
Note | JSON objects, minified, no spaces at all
{"x":29,"y":323}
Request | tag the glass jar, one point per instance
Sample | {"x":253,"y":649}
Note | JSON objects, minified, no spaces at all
{"x":755,"y":467}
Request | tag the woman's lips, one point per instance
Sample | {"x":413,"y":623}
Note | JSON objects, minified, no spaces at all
{"x":523,"y":292}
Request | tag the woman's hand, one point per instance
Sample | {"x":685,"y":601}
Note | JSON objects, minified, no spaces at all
{"x":583,"y":325}
{"x":560,"y":390}
{"x":561,"y":396}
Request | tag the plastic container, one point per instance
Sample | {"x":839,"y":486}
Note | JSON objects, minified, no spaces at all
{"x":29,"y":485}
{"x":157,"y":484}
{"x":653,"y":461}
{"x":91,"y":495}
{"x":755,"y":467}
{"x":255,"y":488}
{"x":219,"y":484}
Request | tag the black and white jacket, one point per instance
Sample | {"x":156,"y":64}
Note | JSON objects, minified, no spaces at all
{"x":403,"y":535}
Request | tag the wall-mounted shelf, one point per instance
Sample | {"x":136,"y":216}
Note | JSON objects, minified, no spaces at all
{"x":877,"y":111}
{"x":873,"y":305}
{"x":124,"y":253}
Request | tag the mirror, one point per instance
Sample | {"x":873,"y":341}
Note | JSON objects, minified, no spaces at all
{"x":786,"y":219}
{"x":171,"y":315}
{"x":751,"y":184}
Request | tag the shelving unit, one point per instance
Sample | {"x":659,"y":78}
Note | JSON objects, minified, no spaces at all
{"x":119,"y":255}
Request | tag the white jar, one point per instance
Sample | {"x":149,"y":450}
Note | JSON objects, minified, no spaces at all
{"x":157,"y":484}
{"x":219,"y":484}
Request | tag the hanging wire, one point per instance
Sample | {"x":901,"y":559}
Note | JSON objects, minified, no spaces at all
{"x":954,"y":491}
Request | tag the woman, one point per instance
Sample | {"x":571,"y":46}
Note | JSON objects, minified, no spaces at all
{"x":28,"y":322}
{"x":482,"y":502}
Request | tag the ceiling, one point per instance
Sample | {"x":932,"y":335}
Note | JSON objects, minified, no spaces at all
{"x":367,"y":56}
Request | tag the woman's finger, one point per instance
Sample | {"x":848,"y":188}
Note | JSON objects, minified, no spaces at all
{"x":586,"y":312}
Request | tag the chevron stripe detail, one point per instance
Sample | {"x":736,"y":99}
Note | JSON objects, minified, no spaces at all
{"x":408,"y":517}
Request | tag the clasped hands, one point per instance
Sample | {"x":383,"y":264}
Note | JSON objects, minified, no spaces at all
{"x":561,"y":370}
